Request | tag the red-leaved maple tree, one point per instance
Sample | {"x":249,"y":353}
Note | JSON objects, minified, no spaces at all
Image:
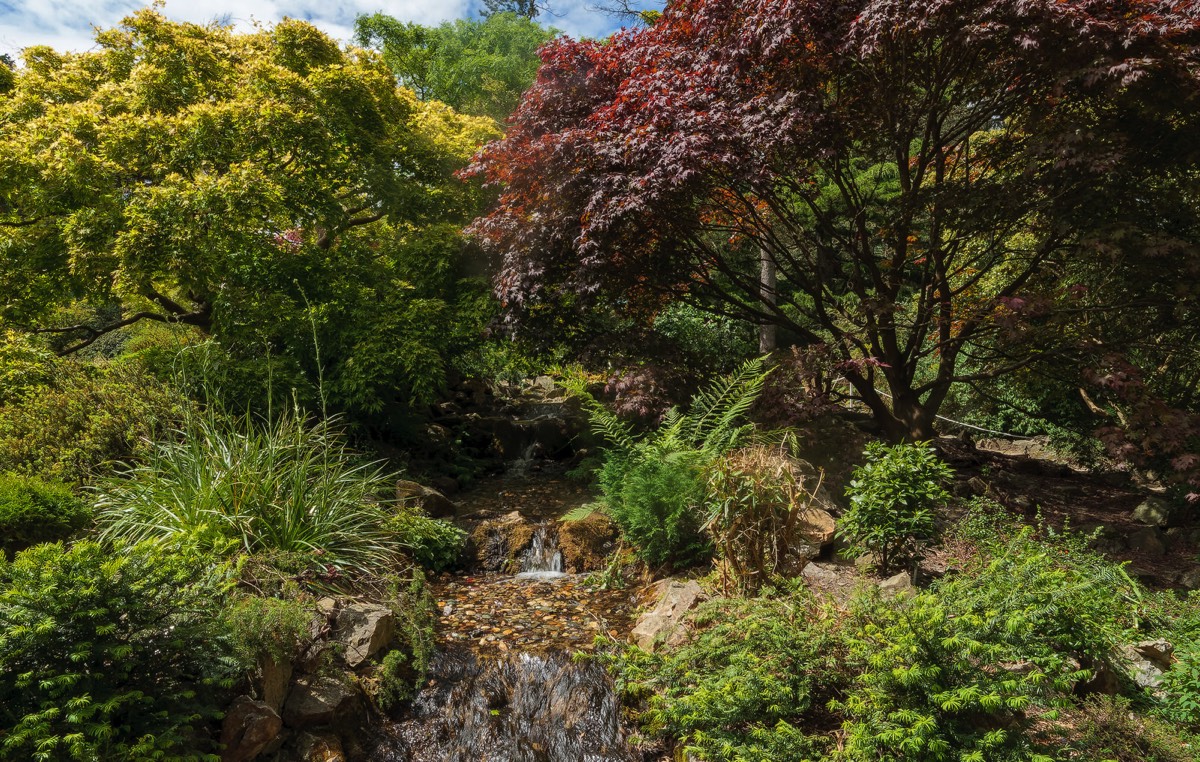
{"x":916,"y":174}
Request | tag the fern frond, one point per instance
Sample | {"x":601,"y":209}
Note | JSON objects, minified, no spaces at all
{"x":582,"y":512}
{"x":715,"y":420}
{"x":603,"y":422}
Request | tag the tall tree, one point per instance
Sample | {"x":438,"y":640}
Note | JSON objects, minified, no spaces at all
{"x":919,"y":175}
{"x":478,"y":67}
{"x":250,"y":185}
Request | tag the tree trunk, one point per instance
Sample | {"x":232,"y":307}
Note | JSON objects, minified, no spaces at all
{"x":766,"y":289}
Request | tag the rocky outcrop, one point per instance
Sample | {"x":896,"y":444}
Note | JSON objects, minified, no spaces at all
{"x":586,"y":544}
{"x":664,"y":624}
{"x":495,"y":545}
{"x":318,"y":700}
{"x":1147,"y":661}
{"x":364,"y":629}
{"x":429,"y":500}
{"x":248,"y":730}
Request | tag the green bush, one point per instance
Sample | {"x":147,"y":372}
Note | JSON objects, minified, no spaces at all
{"x":434,"y":544}
{"x":33,"y":511}
{"x":892,"y":500}
{"x":266,"y":627}
{"x":653,"y":485}
{"x":750,"y":687}
{"x":69,"y":420}
{"x":109,"y":654}
{"x":283,"y":486}
{"x":956,"y":672}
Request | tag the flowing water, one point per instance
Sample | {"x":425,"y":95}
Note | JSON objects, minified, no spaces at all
{"x":542,"y":560}
{"x":516,"y":708}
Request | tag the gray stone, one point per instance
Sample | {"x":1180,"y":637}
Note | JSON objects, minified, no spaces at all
{"x":364,"y":629}
{"x":318,"y":700}
{"x":275,"y":677}
{"x":1148,"y":540}
{"x":896,"y":584}
{"x":814,"y":573}
{"x":1147,"y":661}
{"x":1153,"y":511}
{"x":248,"y":729}
{"x":427,"y":499}
{"x":319,"y":746}
{"x":1190,"y":580}
{"x":663,"y":625}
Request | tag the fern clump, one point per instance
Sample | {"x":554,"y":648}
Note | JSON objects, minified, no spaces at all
{"x":653,"y":485}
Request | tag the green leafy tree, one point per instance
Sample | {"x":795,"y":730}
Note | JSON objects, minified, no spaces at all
{"x":261,"y":187}
{"x":476,"y":66}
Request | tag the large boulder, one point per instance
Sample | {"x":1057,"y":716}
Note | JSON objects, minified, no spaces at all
{"x":427,"y":499}
{"x":318,"y":700}
{"x":587,"y":543}
{"x":1147,"y":661}
{"x":663,"y":625}
{"x":496,"y":545}
{"x":1156,"y":512}
{"x":364,"y":629}
{"x":248,"y":729}
{"x":1150,"y":541}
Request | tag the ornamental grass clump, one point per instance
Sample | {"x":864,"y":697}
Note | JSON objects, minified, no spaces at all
{"x":289,"y":485}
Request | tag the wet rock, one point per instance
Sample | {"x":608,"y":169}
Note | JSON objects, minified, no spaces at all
{"x":663,"y":625}
{"x":1154,"y":511}
{"x":248,"y":729}
{"x":275,"y":677}
{"x":319,"y":746}
{"x":894,"y":585}
{"x":1147,"y":661}
{"x":364,"y":629}
{"x":427,"y":499}
{"x":586,"y":544}
{"x":496,"y":545}
{"x":318,"y":700}
{"x":1149,"y":541}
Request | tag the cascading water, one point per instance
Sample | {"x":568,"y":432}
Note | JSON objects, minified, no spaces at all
{"x":518,"y":708}
{"x":542,"y":560}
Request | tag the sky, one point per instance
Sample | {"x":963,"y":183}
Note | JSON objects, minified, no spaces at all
{"x":67,"y":24}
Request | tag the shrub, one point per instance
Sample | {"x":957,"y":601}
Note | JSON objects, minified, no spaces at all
{"x":109,"y":653}
{"x":757,"y":499}
{"x":892,"y":501}
{"x":434,"y":544}
{"x":750,"y":687}
{"x":33,"y":511}
{"x":266,"y":627}
{"x":71,"y":421}
{"x":653,"y":485}
{"x":282,"y":486}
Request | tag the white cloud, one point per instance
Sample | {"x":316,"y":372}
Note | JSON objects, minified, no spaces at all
{"x":67,"y":24}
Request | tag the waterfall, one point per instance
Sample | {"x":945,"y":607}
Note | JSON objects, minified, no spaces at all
{"x":542,"y":560}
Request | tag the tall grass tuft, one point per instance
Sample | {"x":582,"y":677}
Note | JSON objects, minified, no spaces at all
{"x":288,"y":485}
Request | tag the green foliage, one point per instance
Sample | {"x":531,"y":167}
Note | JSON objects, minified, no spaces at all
{"x":653,"y":485}
{"x":892,"y":500}
{"x":434,"y":544}
{"x":750,"y":687}
{"x":266,"y":627}
{"x":1181,"y":685}
{"x":67,"y":420}
{"x":109,"y":653}
{"x":287,"y":486}
{"x":706,"y":340}
{"x":955,"y":672}
{"x":402,"y":671}
{"x":476,"y":66}
{"x":33,"y":511}
{"x":1108,"y":729}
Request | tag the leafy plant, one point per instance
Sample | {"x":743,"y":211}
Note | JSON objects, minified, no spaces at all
{"x":289,"y":485}
{"x":892,"y":501}
{"x":434,"y":544}
{"x":653,"y":484}
{"x":268,"y":627}
{"x":110,"y":653}
{"x":33,"y":511}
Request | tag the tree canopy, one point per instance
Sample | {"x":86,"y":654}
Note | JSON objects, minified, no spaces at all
{"x":261,"y":187}
{"x":476,"y":66}
{"x":927,"y":179}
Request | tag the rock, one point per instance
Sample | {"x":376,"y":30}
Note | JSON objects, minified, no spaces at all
{"x":1154,"y":511}
{"x":1149,"y":541}
{"x":977,"y":485}
{"x":663,"y":625}
{"x":1147,"y":661}
{"x":427,"y":499}
{"x":364,"y":629}
{"x":496,"y":545}
{"x":319,"y":747}
{"x":867,"y":562}
{"x":318,"y":700}
{"x":447,"y":485}
{"x":586,"y":544}
{"x":894,"y":585}
{"x":1103,"y":539}
{"x":815,"y":573}
{"x":1190,"y":580}
{"x":275,"y":677}
{"x":249,"y":727}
